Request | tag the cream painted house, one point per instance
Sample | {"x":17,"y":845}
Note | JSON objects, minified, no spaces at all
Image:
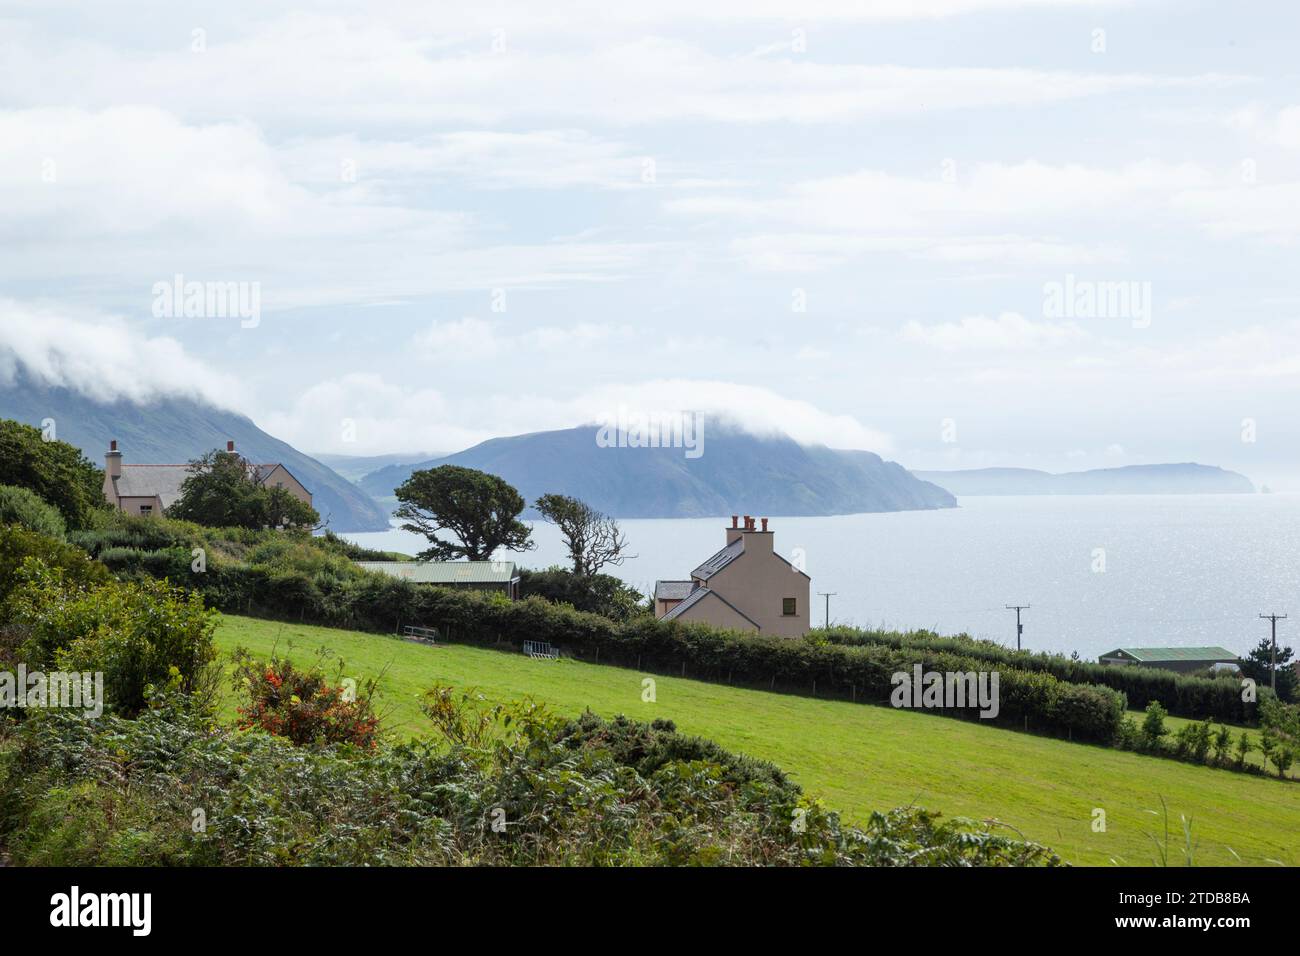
{"x":148,"y":489}
{"x":746,"y":586}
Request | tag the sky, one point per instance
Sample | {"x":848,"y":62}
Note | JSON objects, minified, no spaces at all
{"x":961,"y":233}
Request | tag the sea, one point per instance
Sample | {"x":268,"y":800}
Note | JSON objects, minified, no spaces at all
{"x":1094,"y":572}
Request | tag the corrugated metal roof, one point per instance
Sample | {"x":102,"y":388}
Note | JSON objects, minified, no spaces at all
{"x":1155,"y":654}
{"x":445,"y":572}
{"x":673,"y":590}
{"x":720,"y":560}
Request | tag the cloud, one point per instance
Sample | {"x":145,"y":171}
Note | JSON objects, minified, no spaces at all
{"x":330,"y":71}
{"x":1010,"y":331}
{"x":103,"y":358}
{"x":754,"y":408}
{"x":362,"y":413}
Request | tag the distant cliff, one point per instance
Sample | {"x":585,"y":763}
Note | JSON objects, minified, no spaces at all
{"x":1180,"y":479}
{"x":738,"y":472}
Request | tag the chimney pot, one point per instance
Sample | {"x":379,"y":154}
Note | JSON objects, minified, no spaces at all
{"x":764,"y":524}
{"x":112,"y":446}
{"x":230,"y":446}
{"x":735,"y":519}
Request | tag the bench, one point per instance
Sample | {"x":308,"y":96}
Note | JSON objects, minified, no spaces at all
{"x":421,"y":635}
{"x":541,"y":649}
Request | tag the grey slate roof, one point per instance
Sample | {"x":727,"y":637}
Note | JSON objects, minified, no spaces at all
{"x":673,"y":590}
{"x":445,"y":572}
{"x":698,"y":595}
{"x":720,"y":560}
{"x":146,"y":481}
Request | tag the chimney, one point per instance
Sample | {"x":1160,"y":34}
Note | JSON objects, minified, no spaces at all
{"x":733,"y":533}
{"x":230,"y":446}
{"x":113,"y":461}
{"x":756,"y":540}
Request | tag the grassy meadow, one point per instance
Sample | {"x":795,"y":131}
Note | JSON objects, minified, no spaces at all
{"x":858,"y":758}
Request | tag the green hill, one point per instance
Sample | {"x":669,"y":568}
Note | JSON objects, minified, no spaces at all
{"x":860,"y":758}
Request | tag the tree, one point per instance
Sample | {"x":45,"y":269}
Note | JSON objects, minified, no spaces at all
{"x":599,"y":593}
{"x":594,"y":540}
{"x":1256,"y":665}
{"x":1153,"y":725}
{"x":480,"y":510}
{"x":53,"y":470}
{"x":22,"y":507}
{"x":222,"y":491}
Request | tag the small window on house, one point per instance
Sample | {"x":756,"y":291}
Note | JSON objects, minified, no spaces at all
{"x":146,"y":509}
{"x":788,"y":607}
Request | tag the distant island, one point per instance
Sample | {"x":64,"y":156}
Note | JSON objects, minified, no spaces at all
{"x":1187,"y":478}
{"x":737,"y":472}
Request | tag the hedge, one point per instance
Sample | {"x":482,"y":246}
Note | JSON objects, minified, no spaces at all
{"x":1180,"y":694}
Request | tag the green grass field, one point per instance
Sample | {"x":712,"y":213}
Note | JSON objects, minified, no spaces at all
{"x":858,"y":758}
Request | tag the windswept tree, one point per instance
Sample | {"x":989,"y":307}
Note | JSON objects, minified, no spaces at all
{"x":223,"y":491}
{"x":594,"y":539}
{"x":479,"y":511}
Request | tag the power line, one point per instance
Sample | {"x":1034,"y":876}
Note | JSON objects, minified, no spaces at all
{"x":828,"y":595}
{"x":1020,"y":628}
{"x":1272,"y":656}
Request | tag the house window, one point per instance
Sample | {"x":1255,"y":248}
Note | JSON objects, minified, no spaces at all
{"x":788,"y":607}
{"x":146,"y":510}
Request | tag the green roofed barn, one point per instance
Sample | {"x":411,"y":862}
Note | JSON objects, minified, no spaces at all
{"x":500,"y":576}
{"x":1185,"y":659}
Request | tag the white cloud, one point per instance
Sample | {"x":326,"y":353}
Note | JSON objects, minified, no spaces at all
{"x":1010,"y":331}
{"x":101,"y":357}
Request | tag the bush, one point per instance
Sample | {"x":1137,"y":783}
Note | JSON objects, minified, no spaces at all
{"x":1153,"y":726}
{"x":302,"y":705}
{"x":545,"y":792}
{"x":600,"y":593}
{"x":22,"y":507}
{"x":17,"y":544}
{"x":141,"y":635}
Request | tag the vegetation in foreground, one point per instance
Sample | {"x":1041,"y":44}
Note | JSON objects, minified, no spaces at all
{"x":856,"y":758}
{"x":508,"y":785}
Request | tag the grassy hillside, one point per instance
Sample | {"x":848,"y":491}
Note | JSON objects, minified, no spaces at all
{"x":860,"y":758}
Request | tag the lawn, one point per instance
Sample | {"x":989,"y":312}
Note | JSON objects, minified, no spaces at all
{"x":859,"y":758}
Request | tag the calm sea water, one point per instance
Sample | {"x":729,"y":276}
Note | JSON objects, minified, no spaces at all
{"x":1178,"y":570}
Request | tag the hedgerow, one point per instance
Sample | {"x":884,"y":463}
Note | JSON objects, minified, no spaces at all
{"x":1180,"y":694}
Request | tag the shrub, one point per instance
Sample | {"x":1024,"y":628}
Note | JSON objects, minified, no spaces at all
{"x":17,"y":544}
{"x":1153,"y":726}
{"x":22,"y":507}
{"x":141,"y":635}
{"x":598,"y":593}
{"x":545,"y":792}
{"x":302,"y":705}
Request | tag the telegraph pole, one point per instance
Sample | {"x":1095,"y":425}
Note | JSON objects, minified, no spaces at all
{"x":828,"y":595}
{"x":1020,"y":628}
{"x":1272,"y":657}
